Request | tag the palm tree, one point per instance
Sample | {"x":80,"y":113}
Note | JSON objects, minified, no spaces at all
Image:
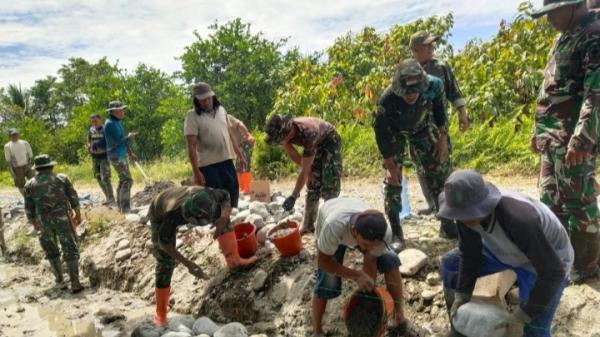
{"x":18,"y":97}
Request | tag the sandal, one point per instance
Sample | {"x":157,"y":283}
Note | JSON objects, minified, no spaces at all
{"x":406,"y":329}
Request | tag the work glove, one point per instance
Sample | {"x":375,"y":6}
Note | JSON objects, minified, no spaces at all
{"x":459,"y":300}
{"x":514,"y":323}
{"x":289,"y":203}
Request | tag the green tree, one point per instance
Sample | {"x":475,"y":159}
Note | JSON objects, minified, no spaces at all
{"x":240,"y":65}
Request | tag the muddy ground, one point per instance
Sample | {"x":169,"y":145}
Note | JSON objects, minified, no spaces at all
{"x":120,"y":294}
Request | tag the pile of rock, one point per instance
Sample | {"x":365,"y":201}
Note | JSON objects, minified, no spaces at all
{"x":188,"y":326}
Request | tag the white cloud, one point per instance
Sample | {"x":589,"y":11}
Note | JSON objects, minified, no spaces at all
{"x":37,"y":36}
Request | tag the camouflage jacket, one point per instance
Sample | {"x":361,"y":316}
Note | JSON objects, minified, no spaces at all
{"x":442,"y":70}
{"x":567,"y":113}
{"x":48,"y":198}
{"x":395,"y":118}
{"x":310,"y":133}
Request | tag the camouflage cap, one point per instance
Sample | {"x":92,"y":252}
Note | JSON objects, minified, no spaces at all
{"x":200,"y":208}
{"x":421,"y":38}
{"x":116,"y":105}
{"x":409,"y":78}
{"x":202,"y":90}
{"x":277,"y":128}
{"x":42,"y":161}
{"x":550,"y":5}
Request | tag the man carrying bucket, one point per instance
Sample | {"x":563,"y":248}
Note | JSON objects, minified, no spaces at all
{"x":198,"y":206}
{"x":499,"y":231}
{"x":344,"y":223}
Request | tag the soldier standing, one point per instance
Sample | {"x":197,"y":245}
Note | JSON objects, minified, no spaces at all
{"x":320,"y":163}
{"x":411,"y":111}
{"x":567,"y":128}
{"x":198,"y":206}
{"x":96,"y":145}
{"x":422,"y":47}
{"x":118,"y":148}
{"x":49,"y":199}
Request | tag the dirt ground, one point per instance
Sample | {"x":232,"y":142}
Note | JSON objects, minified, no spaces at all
{"x":119,"y":295}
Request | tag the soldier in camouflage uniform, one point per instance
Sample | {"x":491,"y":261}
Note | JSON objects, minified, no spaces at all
{"x":321,"y":160}
{"x":567,"y":128}
{"x":118,"y":149}
{"x":198,"y":206}
{"x":96,"y":145}
{"x":49,"y":199}
{"x":411,"y":112}
{"x":421,"y":45}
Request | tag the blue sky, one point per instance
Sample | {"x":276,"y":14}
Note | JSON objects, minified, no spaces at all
{"x":37,"y":36}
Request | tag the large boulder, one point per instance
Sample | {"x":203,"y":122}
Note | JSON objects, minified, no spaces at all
{"x":147,"y":329}
{"x":259,"y":208}
{"x":232,"y":330}
{"x":412,"y":261}
{"x":179,"y":322}
{"x":204,"y":325}
{"x":477,"y":319}
{"x":256,"y":220}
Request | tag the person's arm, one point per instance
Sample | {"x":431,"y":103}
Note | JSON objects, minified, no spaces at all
{"x":246,"y":133}
{"x":168,"y":229}
{"x":72,"y":198}
{"x":236,"y":148}
{"x":441,"y":121}
{"x":305,"y":168}
{"x":587,"y":130}
{"x":29,"y":153}
{"x":223,"y":224}
{"x":88,"y":142}
{"x":111,"y":133}
{"x":292,"y":153}
{"x":327,"y":264}
{"x":192,"y":143}
{"x":30,"y":207}
{"x":388,"y":145}
{"x":471,"y":248}
{"x":7,"y":156}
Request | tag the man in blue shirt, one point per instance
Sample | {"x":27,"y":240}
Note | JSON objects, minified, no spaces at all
{"x":117,"y":144}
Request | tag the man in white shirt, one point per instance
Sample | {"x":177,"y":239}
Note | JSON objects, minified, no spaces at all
{"x":348,"y":223}
{"x":18,"y":155}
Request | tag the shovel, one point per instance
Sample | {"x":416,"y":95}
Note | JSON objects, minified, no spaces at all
{"x":147,"y":180}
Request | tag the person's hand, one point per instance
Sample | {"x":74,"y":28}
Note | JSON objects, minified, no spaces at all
{"x":514,"y":323}
{"x":195,"y":270}
{"x":133,"y":157}
{"x":199,"y":179}
{"x":36,"y":225}
{"x":77,"y":218}
{"x":364,"y":281}
{"x":574,"y":157}
{"x":242,"y":161}
{"x":251,"y":141}
{"x":459,"y":300}
{"x":289,"y":203}
{"x":463,"y":122}
{"x":132,"y":135}
{"x":533,"y":145}
{"x":441,"y":148}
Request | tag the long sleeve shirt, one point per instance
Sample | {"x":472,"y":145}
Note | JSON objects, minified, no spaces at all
{"x":48,"y":197}
{"x":396,"y":120}
{"x":442,"y":70}
{"x":18,"y":154}
{"x":521,"y":232}
{"x":116,"y":139}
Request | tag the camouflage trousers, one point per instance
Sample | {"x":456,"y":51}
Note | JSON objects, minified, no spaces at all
{"x":246,"y":149}
{"x":101,"y":169}
{"x":570,"y":191}
{"x":165,"y":264}
{"x":431,"y":171}
{"x":325,"y":179}
{"x":57,"y":231}
{"x":121,"y":165}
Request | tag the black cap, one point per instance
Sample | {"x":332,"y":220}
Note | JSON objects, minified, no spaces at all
{"x":371,"y":225}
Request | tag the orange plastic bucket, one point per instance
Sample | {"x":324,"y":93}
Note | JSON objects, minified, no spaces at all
{"x":245,"y":233}
{"x":245,"y":179}
{"x":289,"y":244}
{"x":385,"y":308}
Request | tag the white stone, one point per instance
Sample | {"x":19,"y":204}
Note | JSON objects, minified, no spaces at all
{"x":177,"y":334}
{"x":183,"y":229}
{"x":261,"y":235}
{"x":123,"y":255}
{"x":176,"y":321}
{"x":178,"y":243}
{"x":260,"y":277}
{"x":243,"y":205}
{"x":257,"y":207}
{"x":274,"y":207}
{"x":234,"y":211}
{"x":296,"y":217}
{"x":232,"y":330}
{"x":240,"y":217}
{"x":260,"y":335}
{"x":412,"y":261}
{"x":429,"y":294}
{"x":433,"y":279}
{"x":132,"y":217}
{"x":256,"y":220}
{"x":123,"y":244}
{"x":204,"y":325}
{"x":477,"y":319}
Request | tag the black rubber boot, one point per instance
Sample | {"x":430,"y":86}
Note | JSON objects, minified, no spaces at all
{"x":431,"y":204}
{"x":311,"y":208}
{"x":585,"y":266}
{"x":73,"y":267}
{"x":57,"y":270}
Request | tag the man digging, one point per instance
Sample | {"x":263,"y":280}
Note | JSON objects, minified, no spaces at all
{"x":198,"y":206}
{"x":49,"y":199}
{"x":348,"y":223}
{"x":411,"y":112}
{"x":499,"y":231}
{"x":320,"y":163}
